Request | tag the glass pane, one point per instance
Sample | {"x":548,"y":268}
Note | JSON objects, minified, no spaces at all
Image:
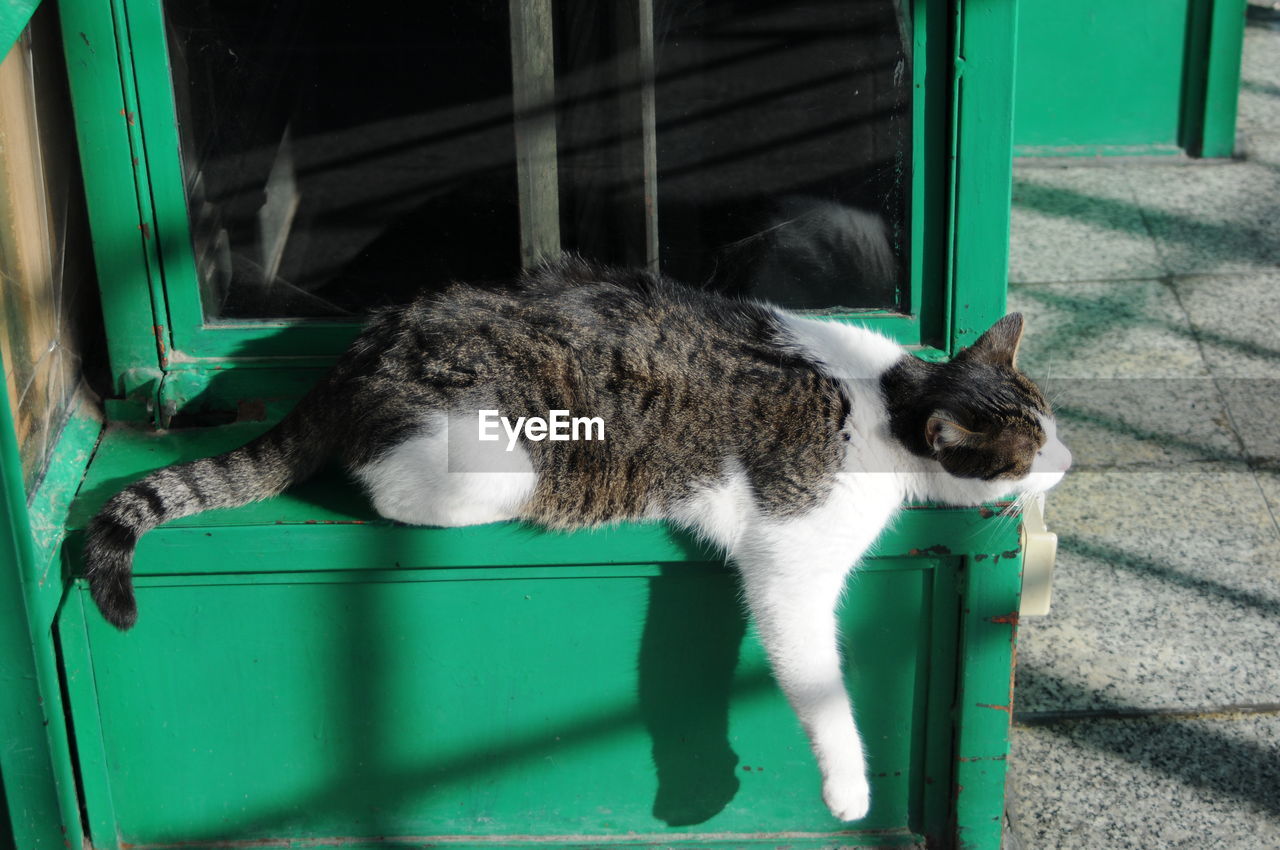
{"x":784,"y":148}
{"x":336,"y":162}
{"x":337,"y":158}
{"x":774,"y":136}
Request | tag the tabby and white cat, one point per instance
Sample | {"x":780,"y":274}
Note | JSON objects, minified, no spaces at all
{"x":789,"y":442}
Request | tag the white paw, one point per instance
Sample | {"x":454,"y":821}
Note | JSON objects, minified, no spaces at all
{"x":848,"y":799}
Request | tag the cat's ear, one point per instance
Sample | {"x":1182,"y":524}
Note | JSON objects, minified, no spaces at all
{"x":942,"y":432}
{"x":999,"y":345}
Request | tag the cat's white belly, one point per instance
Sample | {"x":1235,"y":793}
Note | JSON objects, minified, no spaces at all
{"x":431,"y":479}
{"x":719,"y":511}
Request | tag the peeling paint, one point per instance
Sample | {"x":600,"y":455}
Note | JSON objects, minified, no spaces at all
{"x":1010,"y":619}
{"x":158,"y":330}
{"x":939,"y":549}
{"x":1006,"y":709}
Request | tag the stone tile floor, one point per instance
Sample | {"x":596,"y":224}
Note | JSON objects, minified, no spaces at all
{"x":1148,"y":701}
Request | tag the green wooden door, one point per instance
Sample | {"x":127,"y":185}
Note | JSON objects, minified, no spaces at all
{"x":618,"y":702}
{"x":305,"y":672}
{"x":1152,"y":77}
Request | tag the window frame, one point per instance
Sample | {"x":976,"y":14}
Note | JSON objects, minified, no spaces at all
{"x":126,"y":120}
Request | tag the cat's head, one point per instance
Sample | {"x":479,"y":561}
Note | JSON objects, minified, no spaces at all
{"x":981,"y":419}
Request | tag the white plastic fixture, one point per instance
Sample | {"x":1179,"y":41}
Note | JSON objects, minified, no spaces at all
{"x":1040,"y":551}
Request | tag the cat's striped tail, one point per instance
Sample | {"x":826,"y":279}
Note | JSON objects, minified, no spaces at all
{"x":264,"y":467}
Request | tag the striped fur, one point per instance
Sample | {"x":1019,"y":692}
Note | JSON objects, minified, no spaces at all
{"x":259,"y":470}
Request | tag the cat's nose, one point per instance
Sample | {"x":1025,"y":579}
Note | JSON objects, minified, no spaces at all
{"x":1066,"y":459}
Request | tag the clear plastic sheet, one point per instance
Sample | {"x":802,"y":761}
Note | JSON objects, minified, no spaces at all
{"x":46,"y":283}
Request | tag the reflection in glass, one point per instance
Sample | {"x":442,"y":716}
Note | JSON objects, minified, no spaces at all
{"x":335,"y":163}
{"x":336,"y":160}
{"x":784,"y":148}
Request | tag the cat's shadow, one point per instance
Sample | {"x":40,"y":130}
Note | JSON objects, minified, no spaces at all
{"x":689,"y":651}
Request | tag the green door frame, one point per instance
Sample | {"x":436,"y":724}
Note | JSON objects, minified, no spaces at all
{"x":26,"y":764}
{"x":1212,"y":79}
{"x":973,"y":90}
{"x":36,"y":765}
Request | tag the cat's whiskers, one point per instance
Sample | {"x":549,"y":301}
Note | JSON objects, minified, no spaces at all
{"x":1008,"y":515}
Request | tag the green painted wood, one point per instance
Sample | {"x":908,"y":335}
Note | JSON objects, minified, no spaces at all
{"x":402,"y":707}
{"x":42,"y":588}
{"x":292,"y":564}
{"x":26,"y":767}
{"x":931,"y":181}
{"x":35,"y":761}
{"x":943,"y":672}
{"x":1099,"y":73}
{"x":91,"y":762}
{"x":1148,"y":78}
{"x":1222,"y":79}
{"x":14,"y":15}
{"x":983,"y":168}
{"x":117,"y":224}
{"x":989,"y":628}
{"x":49,"y":506}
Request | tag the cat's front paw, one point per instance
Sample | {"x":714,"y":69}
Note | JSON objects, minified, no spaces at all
{"x":848,"y":799}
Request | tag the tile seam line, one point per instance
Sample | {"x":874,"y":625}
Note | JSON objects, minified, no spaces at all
{"x":1162,"y":278}
{"x":1189,"y":465}
{"x":1033,"y":719}
{"x":1151,"y":278}
{"x":1251,"y":463}
{"x":1161,"y":258}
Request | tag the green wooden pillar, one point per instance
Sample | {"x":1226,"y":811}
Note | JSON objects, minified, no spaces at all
{"x":982,"y":129}
{"x":38,"y":791}
{"x":1214,"y":48}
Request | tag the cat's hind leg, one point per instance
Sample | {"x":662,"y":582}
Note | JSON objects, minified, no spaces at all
{"x":793,"y":592}
{"x":444,"y":475}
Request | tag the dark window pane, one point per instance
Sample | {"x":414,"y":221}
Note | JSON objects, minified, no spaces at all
{"x":784,"y":148}
{"x":337,"y":160}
